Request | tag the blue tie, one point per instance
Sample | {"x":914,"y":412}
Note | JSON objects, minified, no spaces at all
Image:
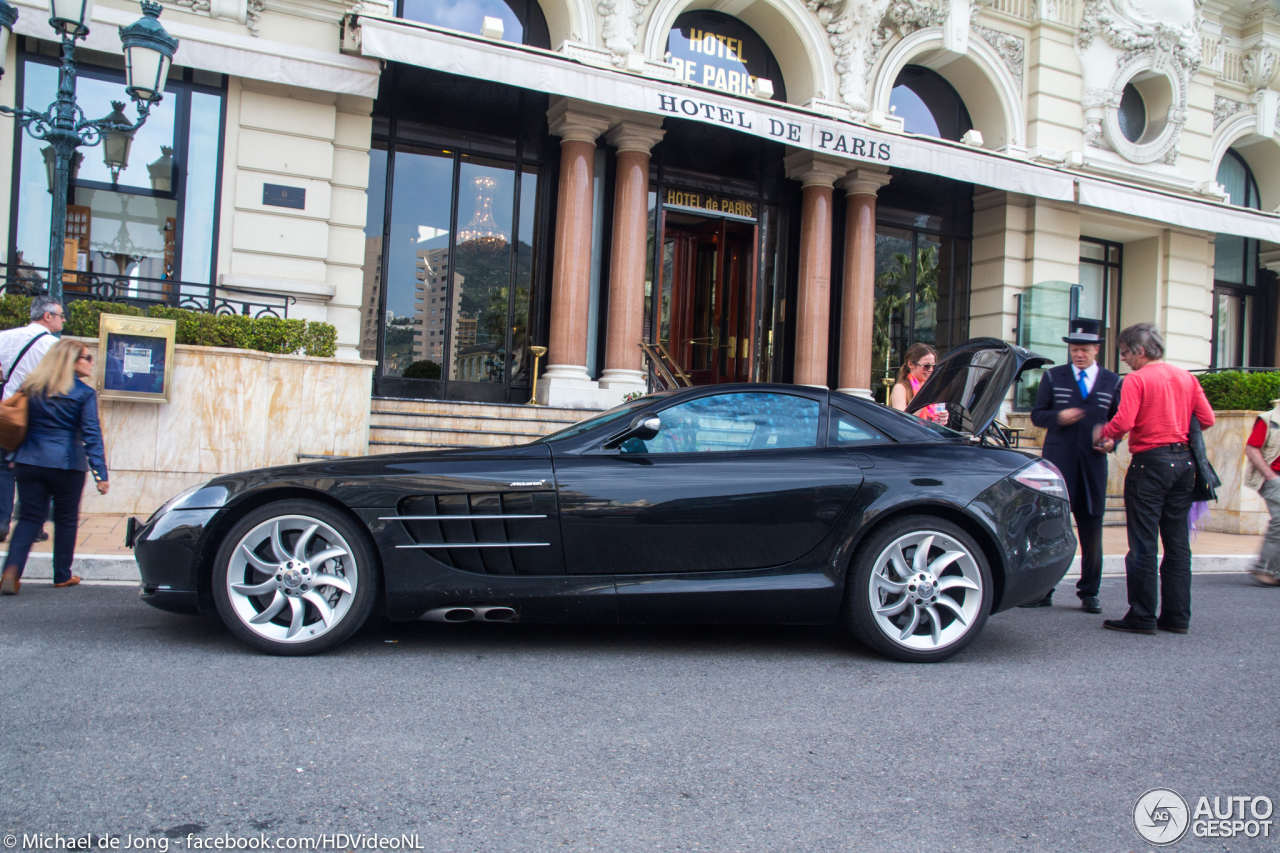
{"x":1084,"y":389}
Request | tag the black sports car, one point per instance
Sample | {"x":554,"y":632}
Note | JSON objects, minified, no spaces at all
{"x":729,"y":503}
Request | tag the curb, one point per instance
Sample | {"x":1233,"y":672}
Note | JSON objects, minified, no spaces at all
{"x":122,"y":567}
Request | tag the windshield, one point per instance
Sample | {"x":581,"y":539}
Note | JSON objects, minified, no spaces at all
{"x":601,"y":419}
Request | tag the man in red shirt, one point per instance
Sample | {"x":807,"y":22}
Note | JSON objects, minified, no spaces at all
{"x":1157,"y":402}
{"x":1263,"y":452}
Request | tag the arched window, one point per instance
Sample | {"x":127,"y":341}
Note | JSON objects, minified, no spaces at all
{"x":929,"y":105}
{"x":522,"y":20}
{"x":1235,"y":274}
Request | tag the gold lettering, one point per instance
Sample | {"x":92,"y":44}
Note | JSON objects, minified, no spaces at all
{"x":722,"y":41}
{"x":721,"y":83}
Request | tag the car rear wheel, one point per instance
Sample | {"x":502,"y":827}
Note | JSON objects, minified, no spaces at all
{"x":294,"y":578}
{"x":919,"y":590}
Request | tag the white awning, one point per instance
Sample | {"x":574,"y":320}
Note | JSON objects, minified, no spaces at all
{"x":226,"y":53}
{"x":1184,"y":212}
{"x":543,"y":71}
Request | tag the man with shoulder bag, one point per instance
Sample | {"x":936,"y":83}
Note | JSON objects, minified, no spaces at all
{"x":1263,"y":476}
{"x":21,"y":350}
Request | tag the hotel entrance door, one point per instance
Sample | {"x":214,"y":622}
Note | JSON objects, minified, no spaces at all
{"x":706,"y":297}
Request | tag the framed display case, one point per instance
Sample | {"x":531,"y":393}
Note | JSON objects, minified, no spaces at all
{"x":135,"y":358}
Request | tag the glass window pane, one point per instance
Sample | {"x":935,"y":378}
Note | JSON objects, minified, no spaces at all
{"x":893,"y":296}
{"x":1228,"y":258}
{"x":1092,"y":251}
{"x":846,"y":429}
{"x":729,"y":422}
{"x":374,"y":220}
{"x":128,"y":235}
{"x":1227,"y":345}
{"x":925,"y":319}
{"x":1234,"y":177}
{"x":35,"y":204}
{"x":1092,"y":291}
{"x":467,"y":15}
{"x":417,"y":265}
{"x":201,"y":201}
{"x":482,"y":272}
{"x":95,"y":97}
{"x":521,"y":359}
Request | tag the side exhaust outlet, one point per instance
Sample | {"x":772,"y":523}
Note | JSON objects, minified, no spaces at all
{"x":495,"y":614}
{"x":450,"y":614}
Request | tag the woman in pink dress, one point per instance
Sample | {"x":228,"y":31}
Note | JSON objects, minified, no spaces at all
{"x":917,"y":365}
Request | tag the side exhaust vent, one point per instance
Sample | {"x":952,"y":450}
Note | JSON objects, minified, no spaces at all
{"x":469,"y":614}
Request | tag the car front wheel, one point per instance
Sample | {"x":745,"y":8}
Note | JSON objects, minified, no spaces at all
{"x":294,"y":578}
{"x":919,"y":590}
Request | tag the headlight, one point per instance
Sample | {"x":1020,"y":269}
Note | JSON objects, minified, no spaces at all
{"x":1043,"y":477}
{"x":201,"y":496}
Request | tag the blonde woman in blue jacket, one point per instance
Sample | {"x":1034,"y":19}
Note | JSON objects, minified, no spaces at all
{"x":63,"y":443}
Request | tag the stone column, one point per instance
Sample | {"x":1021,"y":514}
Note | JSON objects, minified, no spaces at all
{"x":623,"y":362}
{"x":813,"y":302}
{"x":857,"y":318}
{"x":565,"y":381}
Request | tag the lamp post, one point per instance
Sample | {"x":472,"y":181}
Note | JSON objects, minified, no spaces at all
{"x":148,"y":52}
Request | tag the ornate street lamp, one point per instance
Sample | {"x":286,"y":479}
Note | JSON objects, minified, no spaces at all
{"x":8,"y":15}
{"x":148,"y":52}
{"x":117,"y":139}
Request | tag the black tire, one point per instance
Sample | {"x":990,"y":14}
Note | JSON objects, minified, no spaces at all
{"x":295,"y":584}
{"x":943,"y":627}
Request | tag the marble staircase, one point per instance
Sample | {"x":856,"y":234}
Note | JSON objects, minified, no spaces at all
{"x":400,"y":425}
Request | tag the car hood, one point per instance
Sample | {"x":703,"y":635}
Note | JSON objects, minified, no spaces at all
{"x":973,"y":379}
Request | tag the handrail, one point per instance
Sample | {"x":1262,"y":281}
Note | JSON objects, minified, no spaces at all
{"x":29,"y":280}
{"x":664,"y":367}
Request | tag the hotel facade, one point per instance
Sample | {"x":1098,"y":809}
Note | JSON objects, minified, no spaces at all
{"x":770,"y":190}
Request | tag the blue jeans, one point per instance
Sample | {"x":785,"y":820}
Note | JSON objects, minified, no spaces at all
{"x":6,"y":489}
{"x":38,"y":485}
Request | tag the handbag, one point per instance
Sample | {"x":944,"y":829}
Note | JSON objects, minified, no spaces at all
{"x":13,"y":412}
{"x":13,"y":421}
{"x":1207,"y":480}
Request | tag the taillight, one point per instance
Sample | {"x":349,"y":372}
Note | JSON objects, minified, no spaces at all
{"x":1043,"y":476}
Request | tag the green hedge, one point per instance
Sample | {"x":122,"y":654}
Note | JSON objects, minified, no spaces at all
{"x":1238,"y":389}
{"x":264,"y":334}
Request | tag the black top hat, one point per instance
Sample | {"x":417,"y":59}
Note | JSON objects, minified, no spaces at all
{"x":1084,"y":331}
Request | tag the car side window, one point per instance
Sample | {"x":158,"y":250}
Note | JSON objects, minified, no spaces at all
{"x":845,"y":430}
{"x":727,"y":422}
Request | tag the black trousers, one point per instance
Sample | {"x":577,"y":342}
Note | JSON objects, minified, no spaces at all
{"x":36,"y":486}
{"x":1157,"y":499}
{"x":1089,"y":532}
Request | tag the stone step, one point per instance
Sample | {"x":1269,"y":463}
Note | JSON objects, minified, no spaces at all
{"x":399,"y":405}
{"x":446,"y":437}
{"x":416,"y":420}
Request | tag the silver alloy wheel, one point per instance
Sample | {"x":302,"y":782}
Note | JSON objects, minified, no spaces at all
{"x":292,"y":579}
{"x":925,"y":591}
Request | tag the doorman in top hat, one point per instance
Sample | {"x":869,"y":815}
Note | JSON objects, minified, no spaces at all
{"x":1073,"y":399}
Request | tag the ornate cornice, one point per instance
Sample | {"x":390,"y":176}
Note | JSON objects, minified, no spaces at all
{"x":1225,"y":108}
{"x":1010,"y":48}
{"x":621,"y":20}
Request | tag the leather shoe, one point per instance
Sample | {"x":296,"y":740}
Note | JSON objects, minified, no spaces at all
{"x":4,"y":531}
{"x":10,"y":583}
{"x":1090,"y":604}
{"x":42,"y":536}
{"x":1121,"y":625}
{"x":1047,"y":601}
{"x":75,"y":579}
{"x":1172,"y":629}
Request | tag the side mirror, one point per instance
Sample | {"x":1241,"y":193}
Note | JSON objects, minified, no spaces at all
{"x":643,"y":427}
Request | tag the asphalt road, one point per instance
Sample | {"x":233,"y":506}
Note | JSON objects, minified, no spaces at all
{"x":117,"y":718}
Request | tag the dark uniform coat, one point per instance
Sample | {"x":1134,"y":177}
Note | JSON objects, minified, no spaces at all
{"x":1071,"y":447}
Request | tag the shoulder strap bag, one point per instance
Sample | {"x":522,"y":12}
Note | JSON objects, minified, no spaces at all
{"x":13,"y":412}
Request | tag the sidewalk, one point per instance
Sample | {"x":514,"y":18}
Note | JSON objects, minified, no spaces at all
{"x":101,"y":555}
